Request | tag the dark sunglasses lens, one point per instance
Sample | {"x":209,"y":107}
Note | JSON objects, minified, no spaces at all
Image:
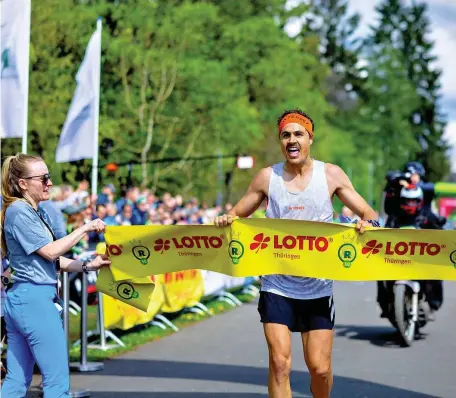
{"x":46,"y":178}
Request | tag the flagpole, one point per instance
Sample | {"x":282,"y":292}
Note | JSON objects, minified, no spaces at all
{"x":95,"y":175}
{"x":26,"y":87}
{"x":96,"y":122}
{"x":101,"y":327}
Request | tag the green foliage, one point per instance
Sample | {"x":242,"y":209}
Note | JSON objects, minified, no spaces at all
{"x":190,"y":78}
{"x":406,"y":28}
{"x":384,"y":91}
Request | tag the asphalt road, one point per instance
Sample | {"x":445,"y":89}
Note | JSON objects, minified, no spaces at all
{"x":226,"y":356}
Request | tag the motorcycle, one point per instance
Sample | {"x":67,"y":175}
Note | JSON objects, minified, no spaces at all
{"x":409,"y":305}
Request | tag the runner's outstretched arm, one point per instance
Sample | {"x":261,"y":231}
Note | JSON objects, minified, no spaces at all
{"x":346,"y":192}
{"x":252,"y":199}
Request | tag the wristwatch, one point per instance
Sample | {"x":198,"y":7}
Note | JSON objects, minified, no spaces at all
{"x":5,"y":280}
{"x":374,"y":223}
{"x":84,"y":266}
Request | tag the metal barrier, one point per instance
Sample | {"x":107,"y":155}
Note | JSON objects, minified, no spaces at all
{"x":77,"y":393}
{"x":83,"y":365}
{"x":100,"y":329}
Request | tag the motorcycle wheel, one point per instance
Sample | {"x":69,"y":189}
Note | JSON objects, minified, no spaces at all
{"x":403,"y":314}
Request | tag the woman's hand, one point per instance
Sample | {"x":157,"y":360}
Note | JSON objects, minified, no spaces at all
{"x":96,"y":225}
{"x":98,"y":262}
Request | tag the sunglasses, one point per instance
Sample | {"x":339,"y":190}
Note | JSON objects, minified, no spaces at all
{"x":44,"y":178}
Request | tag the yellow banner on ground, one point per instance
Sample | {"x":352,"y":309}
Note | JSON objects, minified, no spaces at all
{"x":181,"y":289}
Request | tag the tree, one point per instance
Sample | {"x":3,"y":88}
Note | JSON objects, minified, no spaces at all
{"x":183,"y":79}
{"x":340,"y":49}
{"x":331,"y":29}
{"x":406,"y":28}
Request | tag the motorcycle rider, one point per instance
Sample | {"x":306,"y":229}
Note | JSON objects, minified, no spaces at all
{"x":408,"y":203}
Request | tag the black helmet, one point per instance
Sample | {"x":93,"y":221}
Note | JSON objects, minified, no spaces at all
{"x":414,"y":167}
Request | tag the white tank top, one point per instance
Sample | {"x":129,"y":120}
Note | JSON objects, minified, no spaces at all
{"x":312,"y":204}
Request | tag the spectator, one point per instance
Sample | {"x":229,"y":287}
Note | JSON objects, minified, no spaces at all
{"x":95,"y":237}
{"x":166,"y":219}
{"x":111,"y":212}
{"x":74,"y":221}
{"x":139,"y":216}
{"x":135,"y":207}
{"x":124,"y":218}
{"x":101,"y":212}
{"x":194,"y":219}
{"x":178,"y":202}
{"x":107,"y":195}
{"x":346,"y":215}
{"x":152,"y":200}
{"x":88,"y":214}
{"x":130,"y":198}
{"x":32,"y":306}
{"x":77,"y":197}
{"x":154,"y":218}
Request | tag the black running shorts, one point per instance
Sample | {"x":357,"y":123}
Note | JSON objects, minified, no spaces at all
{"x":298,"y":315}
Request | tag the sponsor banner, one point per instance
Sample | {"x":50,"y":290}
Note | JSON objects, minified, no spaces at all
{"x":253,"y":247}
{"x":181,"y":247}
{"x":120,"y":315}
{"x":169,"y":292}
{"x":135,"y":291}
{"x":118,"y":312}
{"x":181,"y":289}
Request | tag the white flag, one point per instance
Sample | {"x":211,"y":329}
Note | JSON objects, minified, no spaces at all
{"x":14,"y":50}
{"x":80,"y":130}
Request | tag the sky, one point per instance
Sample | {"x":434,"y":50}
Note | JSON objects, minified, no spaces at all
{"x":442,"y":14}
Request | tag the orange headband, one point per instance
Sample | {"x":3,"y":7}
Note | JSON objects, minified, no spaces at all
{"x":297,"y":118}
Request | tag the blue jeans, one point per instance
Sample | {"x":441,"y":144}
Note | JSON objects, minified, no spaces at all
{"x":35,"y":333}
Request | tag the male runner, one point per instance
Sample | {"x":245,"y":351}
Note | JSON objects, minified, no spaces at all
{"x":301,"y":188}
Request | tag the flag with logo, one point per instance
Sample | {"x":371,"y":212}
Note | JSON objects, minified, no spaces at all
{"x":81,"y":124}
{"x":15,"y":41}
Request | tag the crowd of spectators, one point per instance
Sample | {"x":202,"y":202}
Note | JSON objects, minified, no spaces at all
{"x":69,"y":208}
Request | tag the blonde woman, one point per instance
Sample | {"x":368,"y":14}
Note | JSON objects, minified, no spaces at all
{"x":32,"y":308}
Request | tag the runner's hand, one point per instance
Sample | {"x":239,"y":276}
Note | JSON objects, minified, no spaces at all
{"x":225,"y":220}
{"x":362,"y":224}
